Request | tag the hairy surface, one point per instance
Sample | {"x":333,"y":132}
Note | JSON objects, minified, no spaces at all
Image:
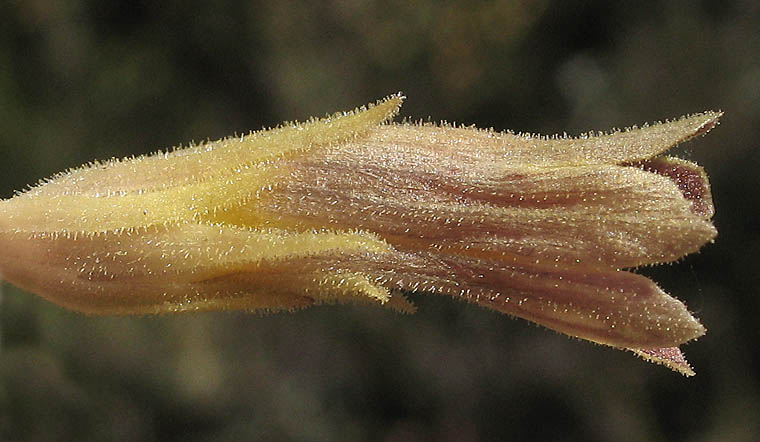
{"x":353,"y":208}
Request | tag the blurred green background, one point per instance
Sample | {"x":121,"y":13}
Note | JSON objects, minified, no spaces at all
{"x":81,"y":80}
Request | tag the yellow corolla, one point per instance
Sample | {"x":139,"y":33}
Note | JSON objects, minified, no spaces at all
{"x":354,"y":208}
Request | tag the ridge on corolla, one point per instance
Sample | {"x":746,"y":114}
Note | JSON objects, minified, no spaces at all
{"x":355,"y":208}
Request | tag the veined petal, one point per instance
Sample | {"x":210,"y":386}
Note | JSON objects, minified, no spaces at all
{"x":417,"y":196}
{"x":634,"y":144}
{"x":620,"y":146}
{"x":615,"y":308}
{"x":187,"y":266}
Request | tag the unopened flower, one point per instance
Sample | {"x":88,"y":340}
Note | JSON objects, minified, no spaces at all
{"x":352,"y":208}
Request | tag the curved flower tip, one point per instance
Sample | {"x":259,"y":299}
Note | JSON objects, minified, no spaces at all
{"x":353,"y":208}
{"x":669,"y":357}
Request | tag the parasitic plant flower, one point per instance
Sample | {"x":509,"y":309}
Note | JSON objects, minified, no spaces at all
{"x":353,"y":208}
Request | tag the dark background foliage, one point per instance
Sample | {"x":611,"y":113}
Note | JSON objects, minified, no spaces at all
{"x":94,"y":79}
